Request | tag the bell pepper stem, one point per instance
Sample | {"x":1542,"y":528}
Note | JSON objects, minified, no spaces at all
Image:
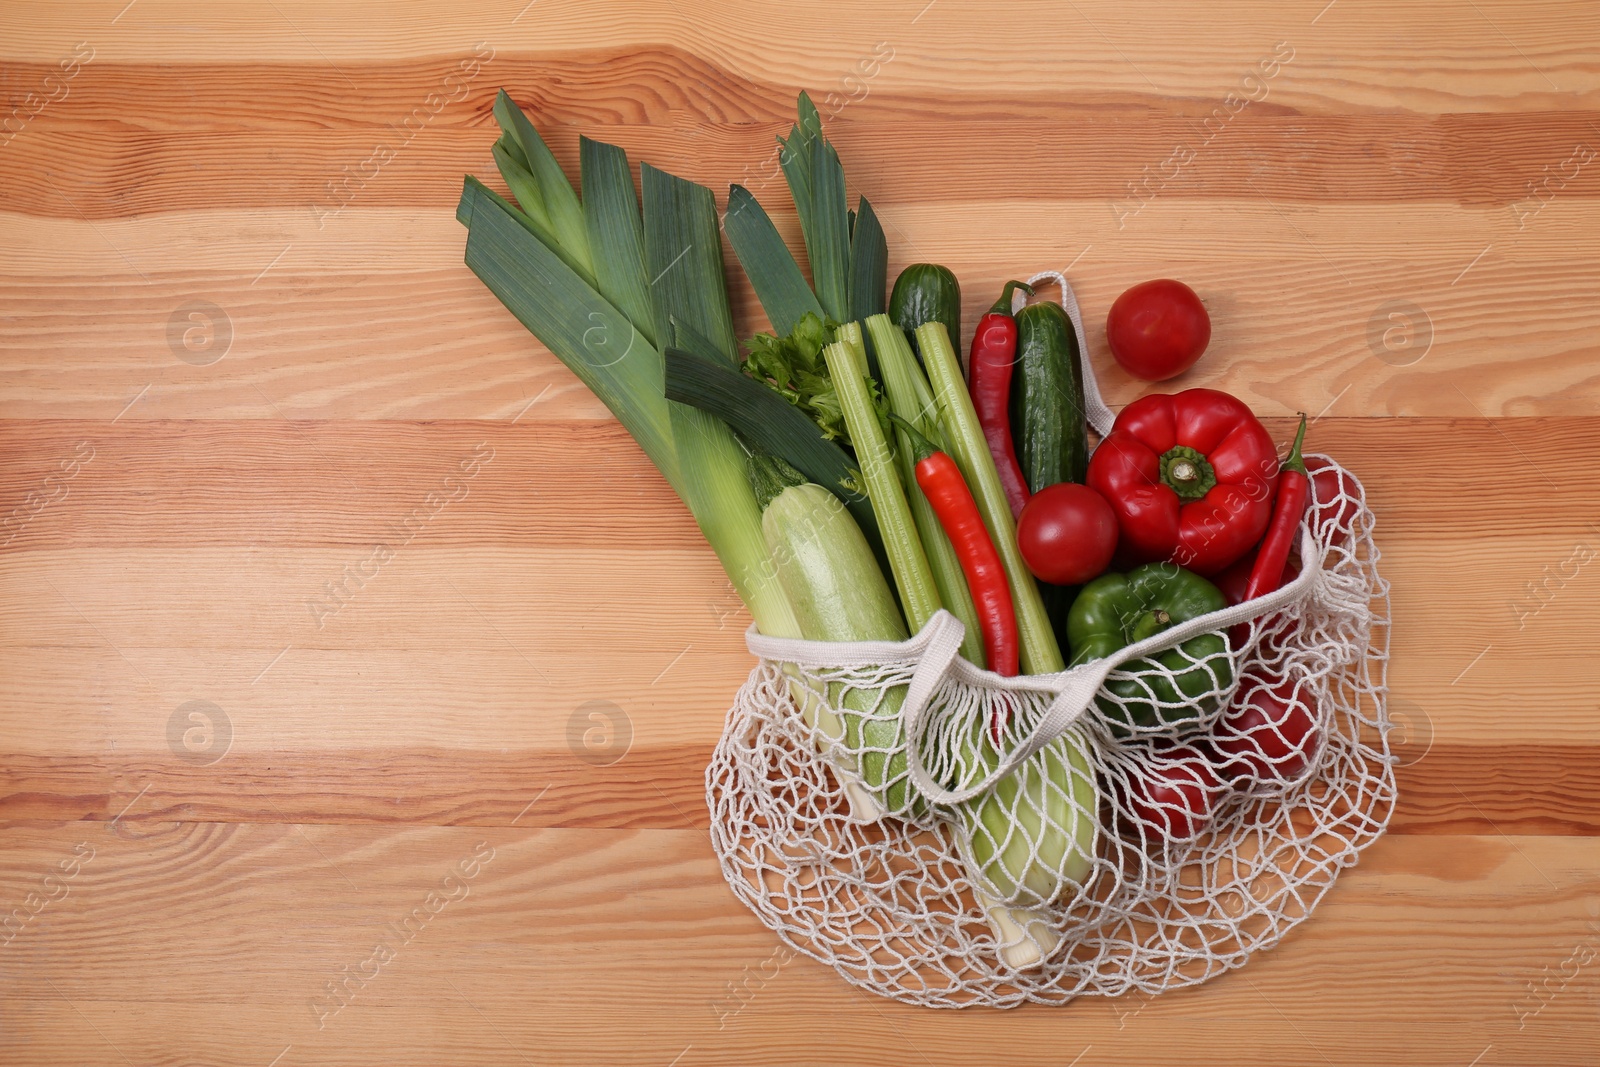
{"x":1188,"y":472}
{"x":1149,"y":624}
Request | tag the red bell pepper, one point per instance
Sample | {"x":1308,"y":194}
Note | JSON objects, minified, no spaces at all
{"x":1191,"y":478}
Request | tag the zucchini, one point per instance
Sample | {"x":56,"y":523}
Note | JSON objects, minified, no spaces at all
{"x":926,"y":292}
{"x":1048,"y":425}
{"x":827,"y":570}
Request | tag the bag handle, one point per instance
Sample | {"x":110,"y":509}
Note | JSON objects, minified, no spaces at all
{"x":1095,"y":411}
{"x":1076,"y":687}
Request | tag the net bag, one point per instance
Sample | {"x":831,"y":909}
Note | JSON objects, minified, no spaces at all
{"x":949,"y":837}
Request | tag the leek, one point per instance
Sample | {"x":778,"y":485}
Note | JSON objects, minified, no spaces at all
{"x":616,"y":236}
{"x":610,"y":355}
{"x":767,"y":262}
{"x":683,"y":261}
{"x":828,"y":245}
{"x":869,"y":264}
{"x":794,"y":157}
{"x":559,"y":202}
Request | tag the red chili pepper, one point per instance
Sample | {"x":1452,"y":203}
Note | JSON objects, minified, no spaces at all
{"x":994,"y":353}
{"x":958,"y":513}
{"x":1294,"y":489}
{"x":1190,"y":477}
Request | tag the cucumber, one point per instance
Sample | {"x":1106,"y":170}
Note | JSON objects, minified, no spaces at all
{"x":926,"y":292}
{"x":1048,"y":425}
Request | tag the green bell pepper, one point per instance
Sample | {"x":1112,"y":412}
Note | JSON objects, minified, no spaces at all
{"x":1117,"y":610}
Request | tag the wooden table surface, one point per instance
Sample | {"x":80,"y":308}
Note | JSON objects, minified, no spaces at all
{"x":269,"y":682}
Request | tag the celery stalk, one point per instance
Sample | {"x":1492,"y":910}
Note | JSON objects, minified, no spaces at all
{"x":912,"y":400}
{"x":919,"y":595}
{"x":1040,"y":652}
{"x":1020,"y":851}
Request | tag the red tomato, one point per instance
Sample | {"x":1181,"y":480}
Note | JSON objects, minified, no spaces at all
{"x":1174,"y":796}
{"x":1067,"y":534}
{"x":1158,"y":329}
{"x":1335,"y":500}
{"x":1269,"y":733}
{"x":1236,"y":579}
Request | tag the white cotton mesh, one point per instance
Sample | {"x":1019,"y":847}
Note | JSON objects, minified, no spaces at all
{"x":947,"y":837}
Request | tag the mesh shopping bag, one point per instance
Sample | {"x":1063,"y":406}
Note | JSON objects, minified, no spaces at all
{"x":949,"y":837}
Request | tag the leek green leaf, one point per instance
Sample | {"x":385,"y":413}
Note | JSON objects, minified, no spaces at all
{"x":810,"y":120}
{"x":869,"y":264}
{"x":771,"y":423}
{"x":683,"y":264}
{"x":508,"y":144}
{"x":585,"y":331}
{"x":526,"y":190}
{"x":683,"y":258}
{"x":795,"y":158}
{"x":828,"y":246}
{"x":616,"y":236}
{"x":687,"y":339}
{"x":519,"y":179}
{"x":560,"y":202}
{"x":771,"y":267}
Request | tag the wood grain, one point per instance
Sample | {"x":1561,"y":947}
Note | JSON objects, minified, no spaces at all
{"x":483,"y":977}
{"x":1295,"y":304}
{"x":267,"y":509}
{"x":148,"y":167}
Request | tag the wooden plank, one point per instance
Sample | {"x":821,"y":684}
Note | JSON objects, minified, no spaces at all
{"x":1523,"y":788}
{"x":146,"y":483}
{"x":1188,"y":151}
{"x":237,"y":359}
{"x":1367,"y":56}
{"x":586,"y":919}
{"x":1300,"y":307}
